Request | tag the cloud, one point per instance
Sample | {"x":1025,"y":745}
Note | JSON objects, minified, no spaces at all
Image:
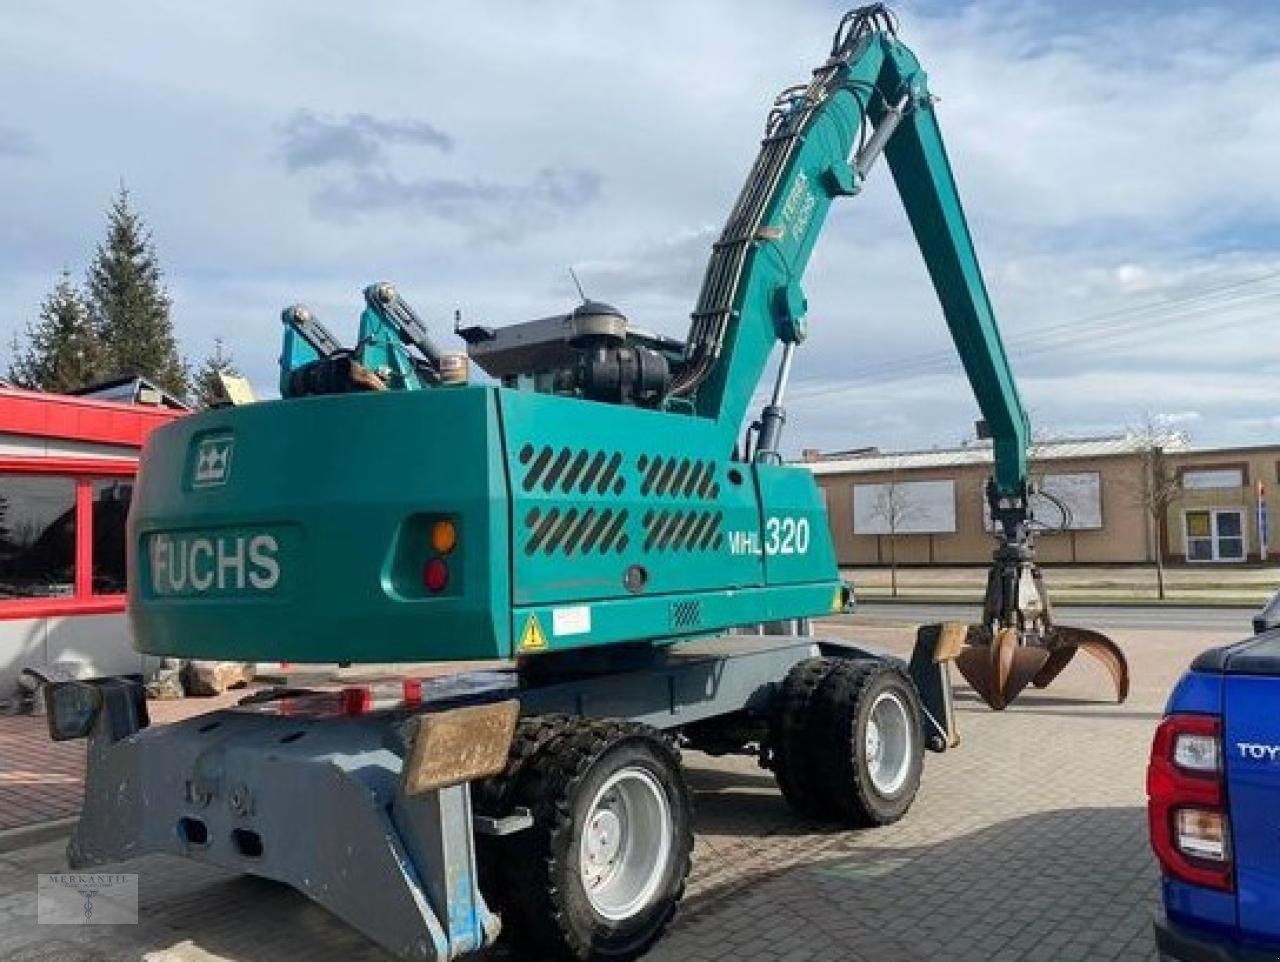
{"x":1109,"y":156}
{"x":14,"y":143}
{"x":360,"y":141}
{"x":360,"y":179}
{"x":494,"y":209}
{"x":669,"y":268}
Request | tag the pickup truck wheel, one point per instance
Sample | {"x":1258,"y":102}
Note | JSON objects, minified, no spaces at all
{"x":868,"y":740}
{"x":599,"y":874}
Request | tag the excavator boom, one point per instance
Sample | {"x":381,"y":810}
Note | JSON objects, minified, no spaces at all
{"x":870,"y":97}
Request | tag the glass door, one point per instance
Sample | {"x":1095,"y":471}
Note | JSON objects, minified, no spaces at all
{"x":1215,"y":534}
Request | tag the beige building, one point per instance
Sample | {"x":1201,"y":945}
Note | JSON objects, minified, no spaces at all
{"x":928,"y":507}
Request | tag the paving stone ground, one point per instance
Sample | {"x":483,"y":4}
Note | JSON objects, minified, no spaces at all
{"x":42,"y":780}
{"x":1028,"y":842}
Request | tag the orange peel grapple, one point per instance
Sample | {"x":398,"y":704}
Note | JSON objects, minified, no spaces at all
{"x":1018,"y":643}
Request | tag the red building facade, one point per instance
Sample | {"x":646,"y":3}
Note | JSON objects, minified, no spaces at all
{"x":67,"y":467}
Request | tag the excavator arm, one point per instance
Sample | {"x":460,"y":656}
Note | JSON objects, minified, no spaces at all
{"x":871,"y":98}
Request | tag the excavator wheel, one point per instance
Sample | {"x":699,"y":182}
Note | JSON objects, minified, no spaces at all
{"x":599,"y":874}
{"x":792,"y":756}
{"x":497,"y":796}
{"x":869,"y":740}
{"x":854,"y":750}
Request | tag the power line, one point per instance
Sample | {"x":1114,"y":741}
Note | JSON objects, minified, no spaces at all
{"x":1109,"y":329}
{"x":1066,"y":332}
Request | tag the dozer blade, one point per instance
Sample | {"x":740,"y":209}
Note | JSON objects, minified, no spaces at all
{"x":1064,"y":641}
{"x":999,"y":670}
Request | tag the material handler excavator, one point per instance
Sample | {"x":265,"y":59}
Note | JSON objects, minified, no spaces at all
{"x":591,"y":519}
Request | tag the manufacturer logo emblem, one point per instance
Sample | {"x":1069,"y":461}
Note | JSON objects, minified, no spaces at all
{"x":213,"y":462}
{"x":1258,"y":751}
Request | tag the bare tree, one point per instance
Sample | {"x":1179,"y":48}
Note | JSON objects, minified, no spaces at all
{"x":1158,"y":485}
{"x":892,"y":508}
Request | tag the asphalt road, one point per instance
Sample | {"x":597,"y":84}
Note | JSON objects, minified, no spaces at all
{"x":1097,"y":617}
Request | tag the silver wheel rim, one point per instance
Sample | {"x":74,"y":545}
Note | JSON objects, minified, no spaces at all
{"x":888,"y":743}
{"x":626,"y":844}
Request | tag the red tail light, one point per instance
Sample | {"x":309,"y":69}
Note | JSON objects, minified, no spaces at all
{"x":357,"y":700}
{"x":1186,"y":804}
{"x":411,"y":690}
{"x":435,"y":575}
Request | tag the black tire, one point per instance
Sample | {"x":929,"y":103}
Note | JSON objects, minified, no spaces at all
{"x":842,"y":706}
{"x":792,"y":757}
{"x":539,"y":882}
{"x":820,"y":755}
{"x":496,"y":797}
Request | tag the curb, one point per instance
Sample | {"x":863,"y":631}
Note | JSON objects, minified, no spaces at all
{"x":25,"y":836}
{"x":1086,"y":602}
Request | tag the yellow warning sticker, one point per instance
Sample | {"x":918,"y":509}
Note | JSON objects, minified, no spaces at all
{"x":532,"y":639}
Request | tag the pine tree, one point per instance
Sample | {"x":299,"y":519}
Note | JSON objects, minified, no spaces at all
{"x":207,"y":388}
{"x":129,"y":305}
{"x":62,"y":351}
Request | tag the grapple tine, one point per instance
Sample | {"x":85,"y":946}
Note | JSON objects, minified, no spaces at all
{"x":998,"y":671}
{"x":1020,"y":663}
{"x":1058,"y":659}
{"x":1100,"y":647}
{"x":975,"y":664}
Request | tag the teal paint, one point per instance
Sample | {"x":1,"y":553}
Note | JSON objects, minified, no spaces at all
{"x":347,"y":487}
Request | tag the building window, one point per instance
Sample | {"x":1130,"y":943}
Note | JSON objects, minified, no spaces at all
{"x":37,"y":537}
{"x":1215,"y":534}
{"x":110,"y":512}
{"x":63,"y":535}
{"x":1213,"y":479}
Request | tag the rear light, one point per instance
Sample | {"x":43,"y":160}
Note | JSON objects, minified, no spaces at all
{"x":411,"y":690}
{"x":444,"y":536}
{"x":1196,"y":753}
{"x":435,"y":575}
{"x":357,"y":700}
{"x":1201,"y":833}
{"x":1186,"y":805}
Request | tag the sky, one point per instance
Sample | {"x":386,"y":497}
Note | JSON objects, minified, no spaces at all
{"x":1117,"y":163}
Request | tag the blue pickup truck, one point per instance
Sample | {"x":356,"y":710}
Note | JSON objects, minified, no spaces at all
{"x":1213,"y":788}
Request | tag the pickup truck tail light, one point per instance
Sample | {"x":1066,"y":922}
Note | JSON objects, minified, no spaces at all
{"x":1186,"y":802}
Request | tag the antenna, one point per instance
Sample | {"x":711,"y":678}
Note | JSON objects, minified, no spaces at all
{"x":578,"y":284}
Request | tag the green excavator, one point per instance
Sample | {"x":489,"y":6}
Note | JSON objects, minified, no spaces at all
{"x":592,"y":515}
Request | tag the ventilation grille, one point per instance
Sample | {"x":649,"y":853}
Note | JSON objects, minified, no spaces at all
{"x":683,"y":530}
{"x":678,"y":478}
{"x":575,"y":531}
{"x":686,"y":614}
{"x":572,"y":471}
